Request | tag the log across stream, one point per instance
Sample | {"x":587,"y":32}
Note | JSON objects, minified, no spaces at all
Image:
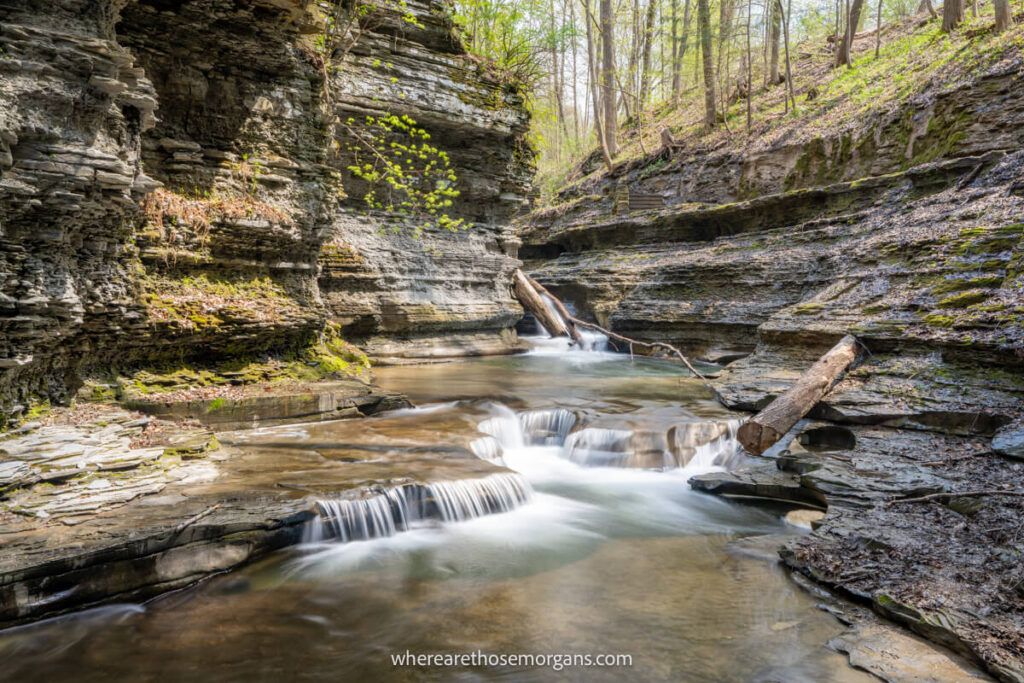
{"x":589,"y":542}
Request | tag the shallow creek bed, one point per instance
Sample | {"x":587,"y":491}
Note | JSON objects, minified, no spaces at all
{"x":536,"y":504}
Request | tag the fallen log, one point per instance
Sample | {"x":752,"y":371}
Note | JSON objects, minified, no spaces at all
{"x":562,"y":310}
{"x":532,"y":301}
{"x":761,"y":431}
{"x":644,"y":345}
{"x":572,"y":323}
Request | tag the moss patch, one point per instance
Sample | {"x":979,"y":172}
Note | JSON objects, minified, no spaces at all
{"x":963,"y":299}
{"x":328,"y":357}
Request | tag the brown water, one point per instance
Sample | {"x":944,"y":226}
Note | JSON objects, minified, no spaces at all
{"x":600,"y":561}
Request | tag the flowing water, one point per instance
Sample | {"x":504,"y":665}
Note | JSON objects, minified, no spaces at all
{"x":542,"y":508}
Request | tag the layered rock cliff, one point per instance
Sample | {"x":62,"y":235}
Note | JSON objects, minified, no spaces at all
{"x":904,"y":227}
{"x":169,"y":190}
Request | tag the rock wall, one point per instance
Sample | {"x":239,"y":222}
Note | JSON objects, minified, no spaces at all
{"x":74,"y":106}
{"x":442,"y":294}
{"x":168,"y":178}
{"x":801,"y":265}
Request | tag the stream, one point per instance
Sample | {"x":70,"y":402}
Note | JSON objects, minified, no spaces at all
{"x":590,"y":542}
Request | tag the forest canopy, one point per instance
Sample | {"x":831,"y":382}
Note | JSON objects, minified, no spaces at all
{"x":611,"y":80}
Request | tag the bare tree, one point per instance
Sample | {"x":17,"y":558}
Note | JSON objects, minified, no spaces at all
{"x":774,"y":37}
{"x":845,"y":47}
{"x":789,"y":67}
{"x":677,"y":61}
{"x":645,"y":74}
{"x":1004,"y":18}
{"x":704,"y":25}
{"x":608,"y":89}
{"x":750,"y":64}
{"x":952,"y":14}
{"x":593,"y":77}
{"x":878,"y":31}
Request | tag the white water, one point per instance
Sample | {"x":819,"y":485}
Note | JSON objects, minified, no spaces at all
{"x":592,"y":342}
{"x":546,"y":447}
{"x":399,"y":508}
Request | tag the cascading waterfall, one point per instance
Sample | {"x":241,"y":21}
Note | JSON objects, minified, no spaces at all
{"x":591,"y":341}
{"x":701,"y":444}
{"x":546,"y":427}
{"x":397,"y":509}
{"x":597,"y":447}
{"x":376,"y":516}
{"x":504,"y":427}
{"x":705,"y":444}
{"x":465,"y":499}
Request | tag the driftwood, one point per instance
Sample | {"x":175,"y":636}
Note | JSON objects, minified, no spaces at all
{"x":560,"y":307}
{"x":761,"y":431}
{"x":531,"y":300}
{"x":573,"y":322}
{"x":644,"y":345}
{"x":964,"y":494}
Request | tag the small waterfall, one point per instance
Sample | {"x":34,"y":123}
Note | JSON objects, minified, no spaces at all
{"x":710,"y":443}
{"x":591,"y":341}
{"x":395,"y":510}
{"x":488,"y":448}
{"x":357,"y":520}
{"x":546,"y":427}
{"x":531,"y":428}
{"x":504,"y":427}
{"x":461,"y":500}
{"x":704,"y":444}
{"x":598,"y":447}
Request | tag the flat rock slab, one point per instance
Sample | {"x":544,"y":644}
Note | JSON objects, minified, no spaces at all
{"x":277,"y":405}
{"x":130,"y":535}
{"x":760,"y":481}
{"x":898,"y":657}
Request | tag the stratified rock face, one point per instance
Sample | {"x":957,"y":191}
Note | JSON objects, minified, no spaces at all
{"x":402,"y":298}
{"x":168,"y":177}
{"x":442,"y":294}
{"x":926,"y":256}
{"x":74,"y":106}
{"x":230,"y":243}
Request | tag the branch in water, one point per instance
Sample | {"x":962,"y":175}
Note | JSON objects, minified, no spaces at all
{"x":642,"y":344}
{"x":965,"y":494}
{"x":573,"y":322}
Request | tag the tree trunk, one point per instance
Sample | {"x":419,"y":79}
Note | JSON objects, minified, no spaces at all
{"x":927,"y":5}
{"x":611,"y":108}
{"x":575,"y":75}
{"x":704,"y":24}
{"x":843,"y":52}
{"x":645,"y":74}
{"x":1004,"y":18}
{"x":588,"y":19}
{"x":952,"y":14}
{"x":750,"y":69}
{"x":789,"y":68}
{"x":560,"y":307}
{"x":677,"y":67}
{"x":878,"y":31}
{"x":760,"y":432}
{"x":725,"y":14}
{"x":774,"y":36}
{"x":677,"y":61}
{"x":531,"y":300}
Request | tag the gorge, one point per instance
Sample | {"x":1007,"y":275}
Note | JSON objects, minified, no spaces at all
{"x":245,"y":406}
